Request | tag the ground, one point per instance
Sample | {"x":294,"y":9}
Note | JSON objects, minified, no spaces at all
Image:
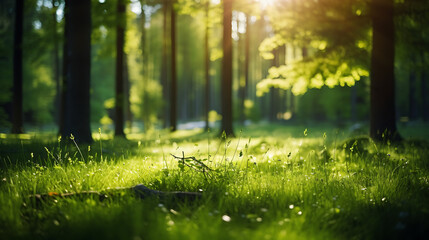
{"x":270,"y":182}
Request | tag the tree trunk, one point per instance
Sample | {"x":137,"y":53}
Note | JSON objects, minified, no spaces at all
{"x":173,"y":90}
{"x":17,"y":101}
{"x":77,"y":102}
{"x":56,"y":63}
{"x":382,"y":89}
{"x":245,"y":70}
{"x":127,"y":87}
{"x":164,"y":64}
{"x":119,"y":83}
{"x":207,"y":66}
{"x":226,"y":98}
{"x":145,"y":75}
{"x":63,"y":93}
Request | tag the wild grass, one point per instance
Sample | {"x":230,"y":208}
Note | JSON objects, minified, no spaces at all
{"x":271,"y":182}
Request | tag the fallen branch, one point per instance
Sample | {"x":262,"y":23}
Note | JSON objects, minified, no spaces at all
{"x":139,"y":191}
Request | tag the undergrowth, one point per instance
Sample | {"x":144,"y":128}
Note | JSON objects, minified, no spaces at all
{"x":312,"y":186}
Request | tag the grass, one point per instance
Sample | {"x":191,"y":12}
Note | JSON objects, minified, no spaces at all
{"x":271,"y":182}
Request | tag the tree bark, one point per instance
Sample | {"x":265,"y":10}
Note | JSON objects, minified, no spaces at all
{"x":77,"y":121}
{"x":119,"y":83}
{"x":63,"y":94}
{"x":164,"y":64}
{"x":226,"y":98}
{"x":173,"y":90}
{"x":17,"y":101}
{"x":145,"y":75}
{"x":56,"y":62}
{"x":127,"y":87}
{"x":382,"y":89}
{"x":245,"y":70}
{"x":207,"y":66}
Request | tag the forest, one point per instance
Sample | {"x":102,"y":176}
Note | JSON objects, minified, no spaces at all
{"x":219,"y":119}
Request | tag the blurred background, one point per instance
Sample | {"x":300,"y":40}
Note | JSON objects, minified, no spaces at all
{"x":293,"y":62}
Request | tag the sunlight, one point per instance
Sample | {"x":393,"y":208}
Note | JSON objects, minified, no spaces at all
{"x":265,"y":3}
{"x":136,"y":7}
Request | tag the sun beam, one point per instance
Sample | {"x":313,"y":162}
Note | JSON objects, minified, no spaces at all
{"x":265,"y":3}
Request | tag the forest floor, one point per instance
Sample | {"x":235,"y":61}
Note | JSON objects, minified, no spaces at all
{"x":270,"y":182}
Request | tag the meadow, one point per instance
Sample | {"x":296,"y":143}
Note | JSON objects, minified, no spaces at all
{"x":269,"y":182}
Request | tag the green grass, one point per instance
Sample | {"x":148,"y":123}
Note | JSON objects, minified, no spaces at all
{"x":271,"y":182}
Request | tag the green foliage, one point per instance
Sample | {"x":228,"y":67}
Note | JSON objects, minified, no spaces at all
{"x":37,"y":83}
{"x":301,"y":76}
{"x":338,"y":52}
{"x":252,"y":111}
{"x":153,"y":95}
{"x":214,"y":116}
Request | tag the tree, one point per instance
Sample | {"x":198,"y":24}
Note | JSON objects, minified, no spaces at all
{"x":77,"y":104}
{"x":146,"y":116}
{"x":119,"y":83}
{"x":56,"y":60}
{"x":164,"y":64}
{"x":340,"y":52}
{"x":208,"y":13}
{"x":17,"y":114}
{"x":63,"y":93}
{"x":382,"y":87}
{"x":226,"y":83}
{"x":207,"y":64}
{"x":173,"y":89}
{"x":243,"y":86}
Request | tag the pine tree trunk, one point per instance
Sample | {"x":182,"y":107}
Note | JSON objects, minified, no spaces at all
{"x":56,"y":62}
{"x":17,"y":101}
{"x":245,"y":70}
{"x":127,"y":88}
{"x":63,"y":93}
{"x":382,"y":89}
{"x":77,"y":121}
{"x":164,"y":64}
{"x":119,"y":83}
{"x":145,"y":75}
{"x":207,"y":67}
{"x":173,"y":90}
{"x":226,"y":98}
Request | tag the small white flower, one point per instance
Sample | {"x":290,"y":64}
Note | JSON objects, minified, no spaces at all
{"x":226,"y":218}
